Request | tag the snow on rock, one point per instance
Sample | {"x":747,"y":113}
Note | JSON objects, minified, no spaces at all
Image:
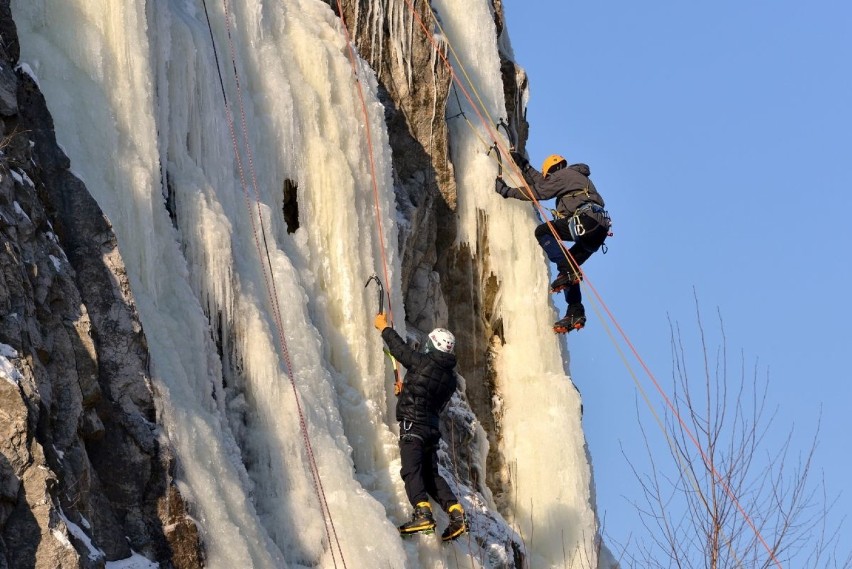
{"x":7,"y":368}
{"x":136,"y":561}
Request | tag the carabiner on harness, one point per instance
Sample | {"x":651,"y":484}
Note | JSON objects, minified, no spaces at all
{"x":575,"y":226}
{"x":407,"y":435}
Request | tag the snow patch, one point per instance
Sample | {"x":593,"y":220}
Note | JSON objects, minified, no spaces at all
{"x":20,"y":211}
{"x":94,"y":553}
{"x":56,"y":263}
{"x":135,"y":561}
{"x":61,"y":538}
{"x":22,"y":178}
{"x":24,"y":67}
{"x":7,"y":368}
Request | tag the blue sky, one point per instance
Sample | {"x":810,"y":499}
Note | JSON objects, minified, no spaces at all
{"x":720,"y":135}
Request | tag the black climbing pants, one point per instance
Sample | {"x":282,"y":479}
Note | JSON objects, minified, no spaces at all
{"x":418,"y":449}
{"x":584,"y":245}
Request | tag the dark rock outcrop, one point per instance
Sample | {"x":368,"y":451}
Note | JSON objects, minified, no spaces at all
{"x":84,"y":476}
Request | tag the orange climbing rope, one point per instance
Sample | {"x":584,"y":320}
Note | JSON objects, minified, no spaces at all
{"x":501,"y":148}
{"x":370,"y":150}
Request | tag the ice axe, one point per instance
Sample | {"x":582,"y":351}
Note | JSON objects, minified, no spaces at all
{"x":381,"y":291}
{"x":496,"y":147}
{"x":512,"y":148}
{"x":499,"y":159}
{"x":397,"y":385}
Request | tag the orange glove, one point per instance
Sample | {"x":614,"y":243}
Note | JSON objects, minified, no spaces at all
{"x":381,"y":321}
{"x":397,"y":387}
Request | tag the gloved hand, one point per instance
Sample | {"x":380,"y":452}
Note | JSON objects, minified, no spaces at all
{"x":519,"y":160}
{"x":501,"y":188}
{"x":381,"y":321}
{"x":397,"y":388}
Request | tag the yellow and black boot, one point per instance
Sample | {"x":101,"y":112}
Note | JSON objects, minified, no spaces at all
{"x":421,"y":520}
{"x":458,"y":523}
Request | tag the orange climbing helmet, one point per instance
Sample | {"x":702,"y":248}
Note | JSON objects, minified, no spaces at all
{"x":553,"y":162}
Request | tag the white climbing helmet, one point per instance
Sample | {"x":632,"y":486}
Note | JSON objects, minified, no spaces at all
{"x":442,"y":340}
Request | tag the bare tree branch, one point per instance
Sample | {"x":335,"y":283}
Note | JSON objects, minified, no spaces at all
{"x":718,"y":432}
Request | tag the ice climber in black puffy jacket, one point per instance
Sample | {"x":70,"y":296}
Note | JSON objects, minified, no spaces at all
{"x":429,"y":383}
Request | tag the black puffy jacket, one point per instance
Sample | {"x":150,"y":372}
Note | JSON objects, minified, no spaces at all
{"x":429,"y":382}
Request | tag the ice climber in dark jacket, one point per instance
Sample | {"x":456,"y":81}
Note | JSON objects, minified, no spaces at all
{"x":428,"y":385}
{"x":580,"y":217}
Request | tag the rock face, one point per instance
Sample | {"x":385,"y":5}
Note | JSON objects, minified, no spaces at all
{"x":84,"y":478}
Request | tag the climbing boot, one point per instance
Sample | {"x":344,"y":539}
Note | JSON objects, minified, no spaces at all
{"x":421,"y":521}
{"x":458,"y":523}
{"x":575,"y":319}
{"x":564,"y":280}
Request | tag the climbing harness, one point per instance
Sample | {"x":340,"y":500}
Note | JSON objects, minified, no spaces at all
{"x":405,"y":435}
{"x":590,"y":210}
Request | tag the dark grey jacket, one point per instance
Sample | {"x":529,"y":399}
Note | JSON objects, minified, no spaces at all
{"x":429,"y":382}
{"x":570,"y":186}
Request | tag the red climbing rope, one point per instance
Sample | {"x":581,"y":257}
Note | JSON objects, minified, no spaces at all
{"x":268,"y":275}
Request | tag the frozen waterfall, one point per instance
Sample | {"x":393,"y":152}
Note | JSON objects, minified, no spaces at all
{"x":194,"y":189}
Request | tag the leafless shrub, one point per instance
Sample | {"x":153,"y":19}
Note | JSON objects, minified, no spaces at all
{"x":732,"y":497}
